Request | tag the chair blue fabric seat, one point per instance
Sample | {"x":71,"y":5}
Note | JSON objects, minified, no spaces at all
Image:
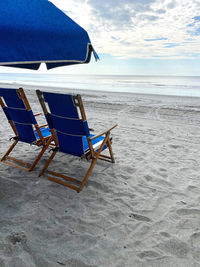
{"x":96,"y":143}
{"x":44,"y":131}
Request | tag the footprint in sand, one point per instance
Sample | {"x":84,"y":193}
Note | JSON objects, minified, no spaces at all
{"x":16,"y":238}
{"x":175,"y":247}
{"x":165,"y":234}
{"x":149,"y":254}
{"x":174,"y":146}
{"x":195,"y":243}
{"x":74,"y":262}
{"x":139,"y":217}
{"x":195,"y":240}
{"x":7,"y":250}
{"x":2,"y":263}
{"x":188,"y":212}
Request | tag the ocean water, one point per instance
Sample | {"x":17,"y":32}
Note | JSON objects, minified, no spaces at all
{"x":162,"y":85}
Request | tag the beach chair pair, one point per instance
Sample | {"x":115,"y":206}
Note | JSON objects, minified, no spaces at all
{"x":66,"y":131}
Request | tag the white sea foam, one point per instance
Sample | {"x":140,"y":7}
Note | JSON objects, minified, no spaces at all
{"x":162,"y":85}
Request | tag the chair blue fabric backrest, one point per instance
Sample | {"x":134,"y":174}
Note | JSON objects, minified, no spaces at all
{"x":64,"y":119}
{"x":15,"y":110}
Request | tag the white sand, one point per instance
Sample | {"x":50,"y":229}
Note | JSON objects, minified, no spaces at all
{"x":144,"y":210}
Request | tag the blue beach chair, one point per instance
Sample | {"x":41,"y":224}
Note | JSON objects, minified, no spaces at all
{"x":23,"y":123}
{"x":67,"y":121}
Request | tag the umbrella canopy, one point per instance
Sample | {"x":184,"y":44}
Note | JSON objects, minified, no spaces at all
{"x":35,"y":31}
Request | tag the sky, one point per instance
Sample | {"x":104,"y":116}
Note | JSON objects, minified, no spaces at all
{"x":137,"y":37}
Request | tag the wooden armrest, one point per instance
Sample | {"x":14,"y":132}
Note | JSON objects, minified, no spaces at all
{"x":37,"y":114}
{"x":45,"y":125}
{"x":102,"y":133}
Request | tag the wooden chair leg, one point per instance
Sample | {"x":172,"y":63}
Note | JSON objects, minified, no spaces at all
{"x":48,"y":162}
{"x":40,"y":154}
{"x":105,"y":157}
{"x":56,"y":176}
{"x":17,"y":163}
{"x":110,"y":150}
{"x":93,"y":163}
{"x":87,"y":174}
{"x":9,"y":150}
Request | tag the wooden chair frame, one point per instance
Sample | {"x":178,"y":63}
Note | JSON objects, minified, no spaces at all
{"x":44,"y":142}
{"x":92,"y":155}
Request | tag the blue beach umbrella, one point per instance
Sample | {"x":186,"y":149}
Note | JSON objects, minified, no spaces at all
{"x":35,"y":31}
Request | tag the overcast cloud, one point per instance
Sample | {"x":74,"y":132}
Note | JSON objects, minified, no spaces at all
{"x":139,"y":28}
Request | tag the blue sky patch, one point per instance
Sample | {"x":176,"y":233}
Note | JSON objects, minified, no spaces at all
{"x":155,"y":39}
{"x":197,"y":18}
{"x":195,"y":32}
{"x":171,"y":45}
{"x":195,"y":23}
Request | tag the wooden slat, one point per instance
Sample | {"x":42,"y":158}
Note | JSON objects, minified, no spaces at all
{"x":65,"y":177}
{"x":23,"y":97}
{"x":15,"y":165}
{"x":102,"y":133}
{"x":105,"y":159}
{"x":41,"y":99}
{"x":104,"y":156}
{"x":9,"y":150}
{"x":62,"y":182}
{"x":18,"y":160}
{"x":2,"y":103}
{"x":13,"y":127}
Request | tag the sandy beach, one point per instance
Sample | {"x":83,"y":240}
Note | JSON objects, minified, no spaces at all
{"x":144,"y":210}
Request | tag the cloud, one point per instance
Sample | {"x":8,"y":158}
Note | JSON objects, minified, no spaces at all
{"x":172,"y":4}
{"x":147,"y":17}
{"x":139,"y":28}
